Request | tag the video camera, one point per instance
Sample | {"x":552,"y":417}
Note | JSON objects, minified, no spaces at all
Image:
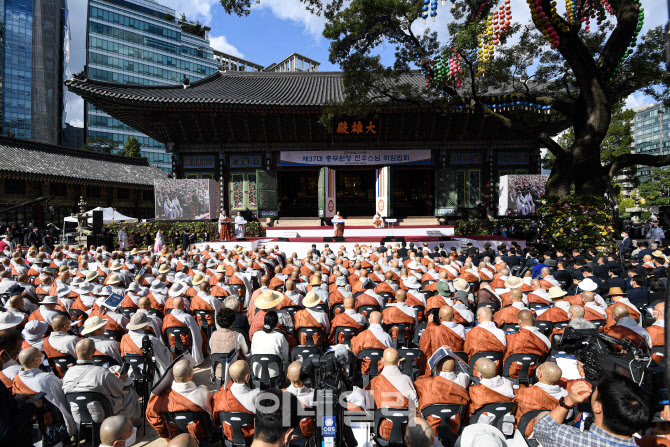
{"x":595,"y":350}
{"x":326,"y":373}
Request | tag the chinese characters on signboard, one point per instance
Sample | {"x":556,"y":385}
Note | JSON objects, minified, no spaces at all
{"x":355,"y":128}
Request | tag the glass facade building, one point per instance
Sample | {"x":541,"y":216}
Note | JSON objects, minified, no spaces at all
{"x":141,"y":42}
{"x":35,"y":62}
{"x":651,"y":133}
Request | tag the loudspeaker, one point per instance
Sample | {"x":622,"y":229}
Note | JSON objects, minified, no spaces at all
{"x":97,"y":222}
{"x":327,"y":239}
{"x":445,"y":238}
{"x":338,"y":239}
{"x":283,"y":239}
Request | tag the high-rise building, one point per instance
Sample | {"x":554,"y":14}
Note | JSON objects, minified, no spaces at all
{"x":73,"y":136}
{"x":141,"y":42}
{"x":651,"y":133}
{"x":34,"y":58}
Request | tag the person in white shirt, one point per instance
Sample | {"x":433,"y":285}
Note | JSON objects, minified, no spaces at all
{"x":270,"y":341}
{"x":239,"y":225}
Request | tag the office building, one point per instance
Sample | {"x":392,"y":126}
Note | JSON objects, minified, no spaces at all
{"x":73,"y":136}
{"x":651,"y":134}
{"x":141,"y":42}
{"x":34,"y":63}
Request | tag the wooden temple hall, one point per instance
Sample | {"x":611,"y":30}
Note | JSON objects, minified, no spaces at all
{"x":259,"y":135}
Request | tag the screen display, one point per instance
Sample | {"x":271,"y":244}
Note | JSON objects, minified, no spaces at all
{"x":519,"y":194}
{"x":185,"y":199}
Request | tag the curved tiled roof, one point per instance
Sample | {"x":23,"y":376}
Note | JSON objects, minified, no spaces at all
{"x":301,"y":89}
{"x":28,"y":158}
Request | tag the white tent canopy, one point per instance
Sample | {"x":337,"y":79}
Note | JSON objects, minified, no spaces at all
{"x":109,"y":215}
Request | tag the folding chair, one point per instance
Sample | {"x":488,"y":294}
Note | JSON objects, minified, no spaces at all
{"x":347,"y":332}
{"x":179,"y":339}
{"x":81,"y":401}
{"x":526,"y":360}
{"x":373,"y":355}
{"x":236,"y":421}
{"x":445,"y":413}
{"x":497,"y":410}
{"x":413,"y":358}
{"x":182,"y":419}
{"x":263,"y":380}
{"x":399,"y":418}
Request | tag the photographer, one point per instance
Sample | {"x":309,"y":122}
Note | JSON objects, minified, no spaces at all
{"x":620,"y":408}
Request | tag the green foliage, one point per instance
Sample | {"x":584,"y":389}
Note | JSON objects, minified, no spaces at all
{"x":169,"y":17}
{"x":656,"y":188}
{"x":101,"y":145}
{"x":486,"y":227}
{"x":579,"y":222}
{"x":144,"y":234}
{"x":132,"y":147}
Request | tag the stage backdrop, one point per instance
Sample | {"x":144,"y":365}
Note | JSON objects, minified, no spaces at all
{"x":185,"y":199}
{"x":518,"y":194}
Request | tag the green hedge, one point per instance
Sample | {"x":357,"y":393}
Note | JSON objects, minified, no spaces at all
{"x":143,"y":234}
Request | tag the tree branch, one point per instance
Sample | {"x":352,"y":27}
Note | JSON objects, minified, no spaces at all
{"x":627,"y":14}
{"x":626,"y":160}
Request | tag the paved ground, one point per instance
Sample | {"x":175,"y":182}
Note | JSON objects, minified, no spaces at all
{"x":151,"y":439}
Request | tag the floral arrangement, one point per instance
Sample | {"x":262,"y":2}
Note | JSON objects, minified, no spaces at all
{"x":579,"y":222}
{"x":506,"y":226}
{"x":144,"y":234}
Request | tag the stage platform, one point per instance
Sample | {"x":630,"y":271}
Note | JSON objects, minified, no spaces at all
{"x":362,"y":231}
{"x":301,"y":245}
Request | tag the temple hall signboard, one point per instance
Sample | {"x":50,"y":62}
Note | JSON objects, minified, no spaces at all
{"x":354,"y":158}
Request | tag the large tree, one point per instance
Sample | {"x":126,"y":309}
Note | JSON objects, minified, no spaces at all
{"x":559,"y":69}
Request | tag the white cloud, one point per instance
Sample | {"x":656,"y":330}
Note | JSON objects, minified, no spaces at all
{"x":295,"y":11}
{"x":194,"y":9}
{"x":221,"y":43}
{"x":77,"y":123}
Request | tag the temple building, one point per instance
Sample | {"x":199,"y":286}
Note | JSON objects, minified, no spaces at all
{"x":260,"y":135}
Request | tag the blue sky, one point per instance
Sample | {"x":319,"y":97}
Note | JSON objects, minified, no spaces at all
{"x":277,"y":28}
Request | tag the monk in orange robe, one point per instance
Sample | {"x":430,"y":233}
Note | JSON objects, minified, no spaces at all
{"x":447,"y":333}
{"x":373,"y":337}
{"x":237,"y":397}
{"x":544,"y":395}
{"x":529,"y":340}
{"x":348,"y":318}
{"x":446,"y":387}
{"x":627,"y":329}
{"x":485,"y":337}
{"x":491,"y":388}
{"x":400,"y":313}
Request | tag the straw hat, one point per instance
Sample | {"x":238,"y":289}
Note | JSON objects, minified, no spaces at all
{"x":117,"y":265}
{"x":239,"y":250}
{"x":177,"y":289}
{"x":268,"y":299}
{"x":221,"y":268}
{"x":198,"y":279}
{"x":514,"y":282}
{"x":556,"y":293}
{"x":413,"y":265}
{"x":138,"y":321}
{"x":113,"y":279}
{"x":616,"y":291}
{"x":316,"y":281}
{"x":63,"y":269}
{"x":412,"y":282}
{"x":588,"y":285}
{"x":461,"y":284}
{"x":9,"y":320}
{"x":86,"y":287}
{"x":93,"y":324}
{"x":311,"y":300}
{"x":164,"y":268}
{"x":91,"y":276}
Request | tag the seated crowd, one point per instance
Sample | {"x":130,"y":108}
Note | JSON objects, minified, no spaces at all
{"x":258,"y":315}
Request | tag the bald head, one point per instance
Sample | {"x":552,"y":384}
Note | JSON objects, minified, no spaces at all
{"x":400,"y":295}
{"x":28,"y":357}
{"x":484,"y":314}
{"x":85,"y":349}
{"x":525,"y":318}
{"x":183,"y":440}
{"x":535,"y":284}
{"x":545,"y":271}
{"x":486,"y":368}
{"x":349,"y":302}
{"x":620,"y":311}
{"x":265,"y":280}
{"x":182,"y":371}
{"x":516,"y":295}
{"x":375,"y":318}
{"x":576,"y":311}
{"x":293,"y":374}
{"x":144,"y":303}
{"x":178,"y":303}
{"x":659,"y":311}
{"x":549,"y":373}
{"x":61,"y":323}
{"x":419,"y":434}
{"x":447,"y":365}
{"x":391,"y":357}
{"x":115,"y":430}
{"x":588,"y":297}
{"x":239,"y":371}
{"x":446,"y":313}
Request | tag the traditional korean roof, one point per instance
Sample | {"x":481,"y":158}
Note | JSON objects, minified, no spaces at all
{"x":297,"y":89}
{"x":29,"y":159}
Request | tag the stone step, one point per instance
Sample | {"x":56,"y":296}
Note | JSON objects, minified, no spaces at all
{"x":298,"y":222}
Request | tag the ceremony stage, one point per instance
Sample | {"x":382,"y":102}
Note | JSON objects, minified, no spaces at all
{"x":300,"y":239}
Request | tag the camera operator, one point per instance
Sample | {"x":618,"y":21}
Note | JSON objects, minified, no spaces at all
{"x":275,"y":428}
{"x":620,"y":408}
